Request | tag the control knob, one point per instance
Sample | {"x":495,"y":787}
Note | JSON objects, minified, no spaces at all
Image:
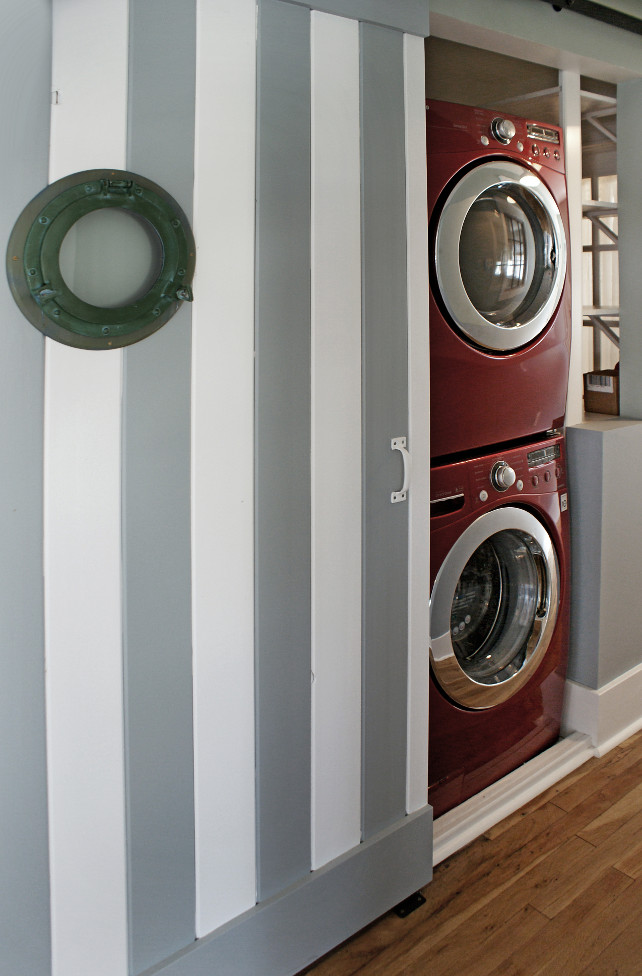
{"x":503,"y":130}
{"x":502,"y":476}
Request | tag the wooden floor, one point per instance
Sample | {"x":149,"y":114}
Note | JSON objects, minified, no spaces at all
{"x":554,"y":889}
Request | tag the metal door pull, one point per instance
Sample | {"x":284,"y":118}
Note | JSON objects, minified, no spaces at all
{"x":399,"y":444}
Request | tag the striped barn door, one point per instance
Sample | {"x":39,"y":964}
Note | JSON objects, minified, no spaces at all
{"x":235,"y":613}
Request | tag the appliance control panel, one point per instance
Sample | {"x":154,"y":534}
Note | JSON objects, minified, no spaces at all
{"x":457,"y":128}
{"x":531,"y":470}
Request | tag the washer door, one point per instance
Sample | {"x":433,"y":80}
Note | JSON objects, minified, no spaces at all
{"x":493,"y":608}
{"x":500,"y":255}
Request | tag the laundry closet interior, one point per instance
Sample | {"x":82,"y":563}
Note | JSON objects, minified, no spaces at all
{"x":586,"y":109}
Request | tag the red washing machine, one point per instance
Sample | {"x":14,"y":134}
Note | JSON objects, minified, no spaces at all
{"x":499,"y":615}
{"x":500,"y":300}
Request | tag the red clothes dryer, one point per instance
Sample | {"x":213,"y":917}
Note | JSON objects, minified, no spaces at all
{"x":500,"y":299}
{"x":499,"y":615}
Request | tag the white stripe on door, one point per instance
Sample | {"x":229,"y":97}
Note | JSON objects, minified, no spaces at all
{"x":83,"y":615}
{"x":222,"y":461}
{"x":419,"y":411}
{"x":336,"y":438}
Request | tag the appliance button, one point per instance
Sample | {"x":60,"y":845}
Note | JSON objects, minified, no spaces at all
{"x":519,"y":485}
{"x":483,"y":495}
{"x":547,"y":476}
{"x":556,"y":155}
{"x":484,"y":140}
{"x":535,"y":480}
{"x":546,"y":153}
{"x":520,"y":146}
{"x":535,"y":149}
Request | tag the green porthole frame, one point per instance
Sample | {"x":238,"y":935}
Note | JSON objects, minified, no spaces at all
{"x":33,"y":267}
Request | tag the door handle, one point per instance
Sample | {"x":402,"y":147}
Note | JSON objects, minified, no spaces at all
{"x":399,"y":444}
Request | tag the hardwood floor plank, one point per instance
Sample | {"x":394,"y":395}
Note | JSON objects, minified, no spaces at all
{"x":526,"y":822}
{"x":573,"y":938}
{"x":603,"y":776}
{"x":615,"y":817}
{"x":580,"y":933}
{"x":576,"y":869}
{"x":560,"y":877}
{"x":623,"y":955}
{"x":476,"y":954}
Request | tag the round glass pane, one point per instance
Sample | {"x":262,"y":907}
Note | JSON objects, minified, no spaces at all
{"x":507,"y":255}
{"x":496,"y":601}
{"x":111,"y":257}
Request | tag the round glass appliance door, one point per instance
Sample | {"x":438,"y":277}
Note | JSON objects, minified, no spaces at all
{"x":500,"y":255}
{"x":493,"y":608}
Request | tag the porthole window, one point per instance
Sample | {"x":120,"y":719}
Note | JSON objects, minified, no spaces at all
{"x":101,"y":259}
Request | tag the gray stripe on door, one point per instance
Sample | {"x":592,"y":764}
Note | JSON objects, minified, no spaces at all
{"x":25,"y":931}
{"x":156,"y":518}
{"x":385,"y":384}
{"x":283,"y":447}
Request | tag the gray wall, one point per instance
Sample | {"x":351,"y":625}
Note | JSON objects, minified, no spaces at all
{"x":605,"y":468}
{"x":25,"y":76}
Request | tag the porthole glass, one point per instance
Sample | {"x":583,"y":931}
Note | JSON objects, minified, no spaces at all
{"x":101,"y":259}
{"x":110,"y":258}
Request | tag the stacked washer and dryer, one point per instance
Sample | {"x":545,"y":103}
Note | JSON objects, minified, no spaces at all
{"x":500,"y":345}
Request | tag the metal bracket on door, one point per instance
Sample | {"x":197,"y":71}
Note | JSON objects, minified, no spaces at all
{"x":399,"y":444}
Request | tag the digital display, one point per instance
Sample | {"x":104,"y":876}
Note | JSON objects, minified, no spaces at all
{"x":543,"y":133}
{"x":543,"y":455}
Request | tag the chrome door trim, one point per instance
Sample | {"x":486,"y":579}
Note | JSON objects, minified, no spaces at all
{"x":446,"y":668}
{"x":470,"y":321}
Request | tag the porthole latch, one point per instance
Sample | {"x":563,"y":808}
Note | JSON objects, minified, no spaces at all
{"x":119,"y":186}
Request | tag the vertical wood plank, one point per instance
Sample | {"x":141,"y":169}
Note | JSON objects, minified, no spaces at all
{"x":25,"y":930}
{"x":419,"y":405}
{"x":283,"y":446}
{"x":571,"y":112}
{"x":336,"y":438}
{"x":385,"y":379}
{"x":157,"y":519}
{"x":223,"y":461}
{"x":83,"y":613}
{"x":629,"y":102}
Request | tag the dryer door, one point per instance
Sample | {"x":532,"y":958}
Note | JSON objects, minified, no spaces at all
{"x":500,"y":255}
{"x":493,"y":608}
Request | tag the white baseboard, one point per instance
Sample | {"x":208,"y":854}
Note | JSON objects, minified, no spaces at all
{"x":608,"y":715}
{"x":460,"y":826}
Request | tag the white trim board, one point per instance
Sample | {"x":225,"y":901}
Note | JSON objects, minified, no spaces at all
{"x":607,"y":715}
{"x":470,"y":819}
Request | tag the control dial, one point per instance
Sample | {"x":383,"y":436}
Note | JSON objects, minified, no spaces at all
{"x":503,"y":130}
{"x":502,"y":476}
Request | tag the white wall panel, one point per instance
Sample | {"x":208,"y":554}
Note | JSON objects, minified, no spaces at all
{"x":336,"y":438}
{"x":570,"y":108}
{"x":419,"y":410}
{"x":222,"y":461}
{"x":83,"y":616}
